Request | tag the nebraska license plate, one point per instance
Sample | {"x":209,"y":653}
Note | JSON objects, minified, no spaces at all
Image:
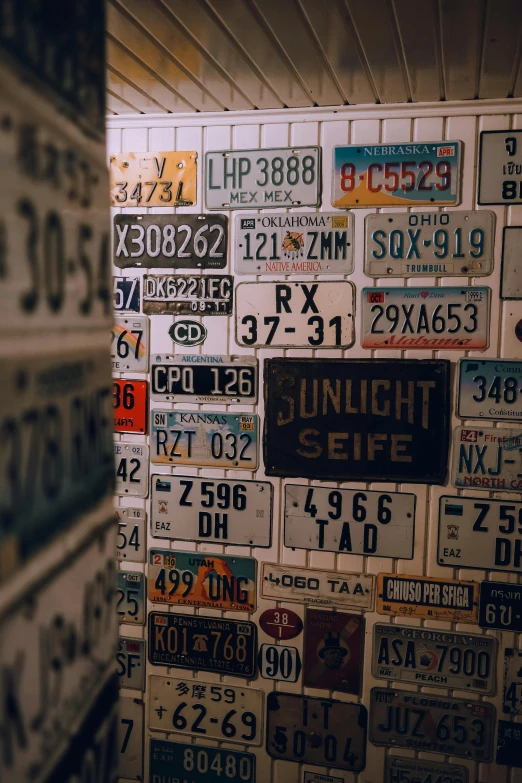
{"x":314,"y":586}
{"x":131,"y":543}
{"x":187,"y":295}
{"x":487,"y":458}
{"x":130,"y":343}
{"x":203,"y":378}
{"x":131,"y":597}
{"x":200,"y":763}
{"x":153,"y":179}
{"x":427,"y":597}
{"x":399,"y":770}
{"x":490,"y":389}
{"x":132,"y":469}
{"x":130,"y":402}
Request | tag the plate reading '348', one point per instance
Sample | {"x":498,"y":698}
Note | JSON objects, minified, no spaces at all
{"x":490,"y":389}
{"x":487,"y":458}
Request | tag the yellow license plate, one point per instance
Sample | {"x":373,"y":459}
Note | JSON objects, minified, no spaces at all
{"x":153,"y":179}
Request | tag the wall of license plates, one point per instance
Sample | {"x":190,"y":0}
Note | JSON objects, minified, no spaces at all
{"x":318,"y":395}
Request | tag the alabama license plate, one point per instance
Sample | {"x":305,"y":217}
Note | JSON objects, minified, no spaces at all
{"x":130,"y":739}
{"x":292,"y":243}
{"x":490,"y":389}
{"x":426,"y":318}
{"x":225,"y":582}
{"x":290,"y":315}
{"x":200,"y":763}
{"x":126,"y":294}
{"x":399,"y":770}
{"x":132,"y":469}
{"x":131,"y":662}
{"x":315,"y":586}
{"x":131,"y":543}
{"x":487,"y":458}
{"x":187,"y":295}
{"x":427,"y":597}
{"x":420,"y":244}
{"x":131,"y":597}
{"x":396,"y":175}
{"x":131,"y":405}
{"x":203,"y":378}
{"x":153,"y":179}
{"x":130,"y":343}
{"x":500,"y":606}
{"x":512,"y":686}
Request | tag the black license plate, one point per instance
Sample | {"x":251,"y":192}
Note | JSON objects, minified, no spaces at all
{"x":200,"y":763}
{"x":500,"y":606}
{"x":126,"y":294}
{"x":187,"y":295}
{"x":204,"y":378}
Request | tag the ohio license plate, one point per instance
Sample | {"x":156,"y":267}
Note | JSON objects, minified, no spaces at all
{"x":400,"y":175}
{"x":259,"y":179}
{"x":307,"y":315}
{"x":131,"y":543}
{"x":202,"y":378}
{"x":126,"y":294}
{"x":132,"y":469}
{"x":512,"y":688}
{"x":130,"y":403}
{"x":278,"y":662}
{"x":131,"y":597}
{"x":399,"y":770}
{"x":187,"y":295}
{"x":130,"y":739}
{"x":130,"y":344}
{"x":315,"y":586}
{"x":153,"y":179}
{"x":500,"y":606}
{"x":202,"y":763}
{"x":427,"y":597}
{"x":220,"y":511}
{"x":316,"y":731}
{"x":490,"y":389}
{"x":348,"y":520}
{"x":500,"y":167}
{"x":426,"y":318}
{"x":438,"y":724}
{"x":131,"y":662}
{"x":203,"y":643}
{"x":225,"y":582}
{"x":429,"y":243}
{"x":487,"y":458}
{"x":291,"y":243}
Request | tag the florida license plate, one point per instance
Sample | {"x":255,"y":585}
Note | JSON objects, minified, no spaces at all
{"x":200,"y":763}
{"x":131,"y":662}
{"x":131,"y":405}
{"x":153,"y":179}
{"x":131,"y":597}
{"x":132,"y":469}
{"x":203,"y":378}
{"x":487,"y":458}
{"x":130,"y":343}
{"x":187,"y":295}
{"x":314,"y":586}
{"x":427,"y":597}
{"x":131,"y":543}
{"x":421,"y":771}
{"x":490,"y":389}
{"x":126,"y":294}
{"x":512,"y":686}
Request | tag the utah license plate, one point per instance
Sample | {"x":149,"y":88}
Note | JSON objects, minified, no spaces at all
{"x":487,"y":458}
{"x":131,"y":597}
{"x":131,"y":405}
{"x":315,"y":586}
{"x":202,"y":763}
{"x":131,"y":663}
{"x":132,"y":469}
{"x":490,"y":389}
{"x":427,"y":597}
{"x":399,"y":770}
{"x":187,"y":295}
{"x":153,"y":179}
{"x":202,"y":378}
{"x":131,"y":543}
{"x":130,"y":344}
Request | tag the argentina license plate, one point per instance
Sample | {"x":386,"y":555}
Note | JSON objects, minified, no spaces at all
{"x":490,"y":389}
{"x":315,"y":586}
{"x":202,"y":378}
{"x":187,"y":295}
{"x":487,"y":458}
{"x":130,"y":343}
{"x":200,"y":763}
{"x":399,"y":770}
{"x":153,"y":179}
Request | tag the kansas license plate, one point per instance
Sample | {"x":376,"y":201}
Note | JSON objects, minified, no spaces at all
{"x":153,"y":179}
{"x":200,"y":763}
{"x":203,"y":378}
{"x":291,"y":243}
{"x":131,"y":597}
{"x":512,"y":686}
{"x":487,"y":458}
{"x":130,"y":739}
{"x":131,"y":662}
{"x":307,"y":315}
{"x":438,"y":724}
{"x":260,"y":179}
{"x":419,"y":244}
{"x":132,"y":469}
{"x":131,"y":543}
{"x":187,"y":295}
{"x":490,"y":389}
{"x":316,"y":731}
{"x":220,"y":511}
{"x":225,"y":582}
{"x":131,"y":405}
{"x":315,"y":586}
{"x":396,"y":175}
{"x":430,"y":598}
{"x":350,"y":521}
{"x":426,"y":318}
{"x":399,"y":770}
{"x":500,"y":167}
{"x":203,"y":643}
{"x":126,"y":294}
{"x":500,"y":606}
{"x":130,"y":344}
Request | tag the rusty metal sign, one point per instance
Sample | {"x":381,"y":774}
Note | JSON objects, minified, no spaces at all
{"x":333,"y":651}
{"x":153,"y":179}
{"x":427,"y":597}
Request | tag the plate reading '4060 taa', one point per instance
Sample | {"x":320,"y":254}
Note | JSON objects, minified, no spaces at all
{"x":314,"y":586}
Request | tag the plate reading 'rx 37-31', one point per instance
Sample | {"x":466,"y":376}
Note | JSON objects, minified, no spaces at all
{"x":201,"y":378}
{"x":187,"y":295}
{"x":490,"y":389}
{"x":487,"y":458}
{"x":315,"y":586}
{"x":399,"y":770}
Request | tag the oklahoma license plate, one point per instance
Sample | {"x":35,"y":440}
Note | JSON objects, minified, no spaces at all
{"x":200,"y":763}
{"x":187,"y":295}
{"x":131,"y":405}
{"x":130,"y":343}
{"x":307,"y":315}
{"x":202,"y":378}
{"x":487,"y":458}
{"x":126,"y":294}
{"x":315,"y":586}
{"x":131,"y":662}
{"x":132,"y":469}
{"x":153,"y":179}
{"x":512,"y":686}
{"x":399,"y":770}
{"x":131,"y":543}
{"x":131,"y":597}
{"x":490,"y":389}
{"x":427,"y":597}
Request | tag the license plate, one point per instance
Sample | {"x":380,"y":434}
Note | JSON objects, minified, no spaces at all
{"x":132,"y":469}
{"x":426,"y":318}
{"x":219,"y":440}
{"x":203,"y":643}
{"x":130,"y":403}
{"x":187,"y":295}
{"x":202,"y":763}
{"x":400,"y":175}
{"x":500,"y":167}
{"x":260,"y":179}
{"x":316,"y":731}
{"x":487,"y":458}
{"x":292,"y":243}
{"x":153,"y":179}
{"x":427,"y":597}
{"x":333,"y":651}
{"x":232,"y":713}
{"x":131,"y":597}
{"x":399,"y":770}
{"x":429,"y":243}
{"x":500,"y":606}
{"x":314,"y":777}
{"x":510,"y":284}
{"x":490,"y":389}
{"x":508,"y":744}
{"x":130,"y":344}
{"x":315,"y":586}
{"x":277,"y":662}
{"x":512,"y":689}
{"x":130,"y":739}
{"x":126,"y":294}
{"x":131,"y":662}
{"x":438,"y":724}
{"x":225,"y":582}
{"x":220,"y":511}
{"x":436,"y":659}
{"x":290,"y":315}
{"x":203,"y":378}
{"x":350,"y":521}
{"x":131,"y":543}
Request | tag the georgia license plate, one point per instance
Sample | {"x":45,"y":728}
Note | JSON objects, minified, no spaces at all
{"x":126,"y":294}
{"x":220,"y":511}
{"x":512,"y":687}
{"x":399,"y":770}
{"x":187,"y":295}
{"x":130,"y":739}
{"x":438,"y":724}
{"x":291,"y":243}
{"x":131,"y":543}
{"x":490,"y":389}
{"x":315,"y":586}
{"x":426,"y":318}
{"x":131,"y":597}
{"x":436,"y":659}
{"x":131,"y":662}
{"x":429,"y":243}
{"x":202,"y":378}
{"x":350,"y":521}
{"x":307,"y":315}
{"x":153,"y":179}
{"x":130,"y":344}
{"x":316,"y":731}
{"x":130,"y":403}
{"x":487,"y":458}
{"x":225,"y":582}
{"x":200,"y":763}
{"x":132,"y":469}
{"x":500,"y":606}
{"x":427,"y":597}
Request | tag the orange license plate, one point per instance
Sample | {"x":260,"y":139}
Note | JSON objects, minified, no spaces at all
{"x":153,"y":179}
{"x":130,"y":405}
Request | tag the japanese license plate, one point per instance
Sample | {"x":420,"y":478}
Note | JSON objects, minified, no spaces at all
{"x":187,"y":295}
{"x":153,"y":179}
{"x":130,"y":402}
{"x":130,"y":739}
{"x":131,"y":543}
{"x":315,"y":586}
{"x":427,"y":597}
{"x":426,"y":318}
{"x":333,"y":651}
{"x":204,"y":764}
{"x":126,"y":294}
{"x":225,"y":582}
{"x":259,"y":179}
{"x":291,"y":243}
{"x":232,"y":713}
{"x":307,"y":315}
{"x":490,"y":389}
{"x":348,"y":520}
{"x":429,"y":243}
{"x":421,"y":771}
{"x":487,"y":458}
{"x":436,"y":659}
{"x":500,"y":606}
{"x":278,"y":662}
{"x":131,"y":662}
{"x":131,"y":597}
{"x":508,"y":744}
{"x":500,"y":167}
{"x":316,"y":731}
{"x":510,"y":283}
{"x":203,"y":643}
{"x":203,"y":378}
{"x":396,"y":175}
{"x":512,"y":687}
{"x":220,"y":511}
{"x":438,"y":724}
{"x":130,"y":344}
{"x":132,"y":469}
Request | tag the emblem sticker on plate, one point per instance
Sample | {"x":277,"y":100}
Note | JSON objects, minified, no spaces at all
{"x":490,"y":389}
{"x":202,"y":378}
{"x":131,"y":597}
{"x":315,"y":586}
{"x":333,"y":651}
{"x":200,"y":763}
{"x":130,"y":659}
{"x":153,"y":179}
{"x":487,"y":458}
{"x":421,"y":771}
{"x":280,"y":623}
{"x":131,"y":543}
{"x":428,"y":597}
{"x":130,"y":403}
{"x":130,"y":344}
{"x":512,"y":690}
{"x":132,"y":469}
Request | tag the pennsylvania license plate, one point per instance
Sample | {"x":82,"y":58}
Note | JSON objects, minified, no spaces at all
{"x":399,"y":770}
{"x":315,"y":586}
{"x":200,"y":763}
{"x":490,"y":389}
{"x":500,"y":167}
{"x":131,"y":662}
{"x":500,"y":606}
{"x":187,"y":295}
{"x":225,"y":582}
{"x":131,"y":543}
{"x":426,"y":318}
{"x":396,"y":175}
{"x":132,"y":469}
{"x":512,"y":687}
{"x":131,"y":405}
{"x":487,"y":458}
{"x":130,"y":345}
{"x":427,"y":597}
{"x":202,"y":378}
{"x":126,"y":294}
{"x":131,"y":597}
{"x":153,"y":179}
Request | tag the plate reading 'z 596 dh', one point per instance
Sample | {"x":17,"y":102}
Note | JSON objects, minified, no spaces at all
{"x":428,"y":597}
{"x":399,"y":770}
{"x":490,"y":389}
{"x":487,"y":458}
{"x":187,"y":295}
{"x":315,"y":586}
{"x":200,"y":378}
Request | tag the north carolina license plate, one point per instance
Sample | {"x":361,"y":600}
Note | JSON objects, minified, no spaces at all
{"x":225,"y":582}
{"x":153,"y":179}
{"x":399,"y":770}
{"x":500,"y":606}
{"x":130,"y":739}
{"x":490,"y":389}
{"x":132,"y":469}
{"x":260,"y":179}
{"x":172,"y":241}
{"x":308,"y":315}
{"x":436,"y":659}
{"x":426,"y":318}
{"x":202,"y":378}
{"x":232,"y":713}
{"x":130,"y":344}
{"x":315,"y":586}
{"x":500,"y":167}
{"x":131,"y":662}
{"x":187,"y":295}
{"x":512,"y":687}
{"x":131,"y":543}
{"x":427,"y":597}
{"x":200,"y":763}
{"x":350,"y":521}
{"x":429,"y":243}
{"x":131,"y":597}
{"x":131,"y":405}
{"x":439,"y":724}
{"x":126,"y":294}
{"x":291,"y":243}
{"x":487,"y":458}
{"x":396,"y":175}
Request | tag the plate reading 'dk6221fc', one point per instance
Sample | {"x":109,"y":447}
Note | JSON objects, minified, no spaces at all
{"x":487,"y":458}
{"x":427,"y":597}
{"x":187,"y":294}
{"x":315,"y":586}
{"x":202,"y":378}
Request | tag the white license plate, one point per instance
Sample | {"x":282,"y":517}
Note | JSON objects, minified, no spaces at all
{"x":132,"y":469}
{"x":131,"y":543}
{"x":401,"y":770}
{"x":202,"y":378}
{"x":220,"y":511}
{"x":349,"y":521}
{"x":278,"y":662}
{"x":490,"y":389}
{"x":510,"y":277}
{"x":421,"y":244}
{"x":130,"y":344}
{"x":130,"y":663}
{"x":426,"y":318}
{"x":500,"y":167}
{"x":315,"y":586}
{"x":512,"y":688}
{"x":232,"y":713}
{"x":307,"y":315}
{"x":487,"y":458}
{"x":130,"y":739}
{"x":131,"y":597}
